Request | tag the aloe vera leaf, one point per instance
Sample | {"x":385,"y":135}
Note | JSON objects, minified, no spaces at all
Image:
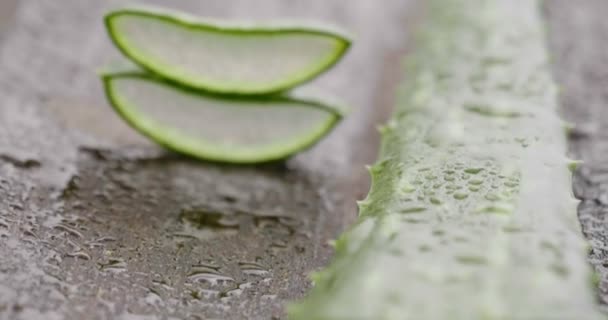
{"x":470,"y":214}
{"x":224,"y":58}
{"x":219,"y":128}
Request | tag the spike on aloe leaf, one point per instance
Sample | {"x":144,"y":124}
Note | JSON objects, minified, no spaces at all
{"x":572,"y":206}
{"x":382,"y":129}
{"x":387,"y":128}
{"x":595,"y":279}
{"x":315,"y":276}
{"x":362,"y":205}
{"x":569,"y":127}
{"x":340,"y":245}
{"x":331,"y":243}
{"x":574,"y":164}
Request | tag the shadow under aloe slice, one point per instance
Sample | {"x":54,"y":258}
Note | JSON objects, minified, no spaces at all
{"x":219,"y":128}
{"x":224,"y":58}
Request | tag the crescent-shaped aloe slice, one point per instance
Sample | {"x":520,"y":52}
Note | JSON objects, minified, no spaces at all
{"x":223,"y":58}
{"x":471,"y":214}
{"x":218,"y":128}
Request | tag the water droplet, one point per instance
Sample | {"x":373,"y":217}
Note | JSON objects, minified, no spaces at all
{"x":472,"y":260}
{"x":488,"y":110}
{"x":279,"y":244}
{"x":153,"y":298}
{"x":496,"y":208}
{"x":430,"y":177}
{"x":205,"y":293}
{"x":412,"y":210}
{"x":275,"y":225}
{"x":253,"y":269}
{"x":438,"y":233}
{"x":551,"y":247}
{"x":424,"y":248}
{"x":473,"y":170}
{"x":246,"y":285}
{"x":560,"y":270}
{"x":235,"y":292}
{"x":114,"y":265}
{"x":202,"y":219}
{"x":461,"y":239}
{"x":514,"y":229}
{"x":408,"y":188}
{"x":505,"y":86}
{"x":492,"y":197}
{"x":208,"y":274}
{"x":79,"y":255}
{"x":489,"y":61}
{"x":476,"y":182}
{"x":68,"y":230}
{"x":460,"y":195}
{"x":396,"y":252}
{"x":435,"y":201}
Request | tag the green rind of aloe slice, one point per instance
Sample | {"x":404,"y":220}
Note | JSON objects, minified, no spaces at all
{"x":219,"y":128}
{"x":235,"y":59}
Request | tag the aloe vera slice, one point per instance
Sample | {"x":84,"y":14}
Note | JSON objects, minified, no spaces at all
{"x":223,"y":58}
{"x":218,"y":128}
{"x":470,"y":214}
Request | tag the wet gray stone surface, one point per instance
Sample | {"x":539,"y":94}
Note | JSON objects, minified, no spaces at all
{"x":579,"y":42}
{"x":98,"y":223}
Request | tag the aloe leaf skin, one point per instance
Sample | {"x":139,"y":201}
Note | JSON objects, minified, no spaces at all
{"x":219,"y":128}
{"x":225,"y":58}
{"x":471,"y":214}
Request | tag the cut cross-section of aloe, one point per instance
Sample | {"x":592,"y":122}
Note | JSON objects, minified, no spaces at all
{"x":219,"y":128}
{"x":223,"y":58}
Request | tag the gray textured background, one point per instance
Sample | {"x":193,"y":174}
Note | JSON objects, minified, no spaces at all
{"x":97,"y":223}
{"x":578,"y":32}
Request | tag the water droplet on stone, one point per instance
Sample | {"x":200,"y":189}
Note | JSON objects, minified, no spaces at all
{"x":79,"y":255}
{"x":69,"y":230}
{"x":253,"y":269}
{"x":114,"y":265}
